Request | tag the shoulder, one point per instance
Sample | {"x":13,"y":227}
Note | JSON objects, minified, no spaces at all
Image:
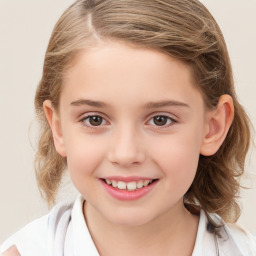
{"x":32,"y":233}
{"x":231,"y":237}
{"x":243,"y":239}
{"x":33,"y":239}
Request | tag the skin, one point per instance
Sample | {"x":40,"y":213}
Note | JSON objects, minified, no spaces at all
{"x":12,"y":251}
{"x":128,"y":142}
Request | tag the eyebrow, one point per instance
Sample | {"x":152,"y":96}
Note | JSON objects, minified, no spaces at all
{"x":166,"y":103}
{"x":149,"y":105}
{"x":88,"y":102}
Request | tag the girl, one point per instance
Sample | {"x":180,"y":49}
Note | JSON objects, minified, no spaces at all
{"x":137,"y":101}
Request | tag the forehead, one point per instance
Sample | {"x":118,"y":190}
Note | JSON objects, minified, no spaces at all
{"x":115,"y":71}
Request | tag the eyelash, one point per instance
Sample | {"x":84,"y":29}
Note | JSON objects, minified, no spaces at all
{"x":171,"y":121}
{"x":83,"y":120}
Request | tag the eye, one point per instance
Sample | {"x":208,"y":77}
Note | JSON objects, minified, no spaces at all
{"x":161,"y":120}
{"x":93,"y":120}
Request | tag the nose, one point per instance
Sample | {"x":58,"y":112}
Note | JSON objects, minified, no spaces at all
{"x":126,"y":148}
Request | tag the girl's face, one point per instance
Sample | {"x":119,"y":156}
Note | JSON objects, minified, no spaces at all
{"x":131,"y":117}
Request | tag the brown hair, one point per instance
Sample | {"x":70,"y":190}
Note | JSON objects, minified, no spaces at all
{"x":183,"y":29}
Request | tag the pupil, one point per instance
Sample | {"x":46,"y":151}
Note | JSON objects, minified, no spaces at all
{"x":160,"y":120}
{"x":95,"y":120}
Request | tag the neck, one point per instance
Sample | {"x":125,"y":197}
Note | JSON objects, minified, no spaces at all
{"x":172,"y":233}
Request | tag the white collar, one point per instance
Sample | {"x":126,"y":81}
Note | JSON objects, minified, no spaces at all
{"x":83,"y":243}
{"x":82,"y":240}
{"x":205,"y":243}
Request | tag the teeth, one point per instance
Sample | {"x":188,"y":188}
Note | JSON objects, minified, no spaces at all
{"x":140,"y":184}
{"x":108,"y":182}
{"x":145,"y":183}
{"x":130,"y":186}
{"x":121,"y":185}
{"x":114,"y":183}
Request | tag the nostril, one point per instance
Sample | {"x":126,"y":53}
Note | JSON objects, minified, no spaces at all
{"x":126,"y":158}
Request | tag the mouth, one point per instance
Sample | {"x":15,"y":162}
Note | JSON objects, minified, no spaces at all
{"x":129,"y":186}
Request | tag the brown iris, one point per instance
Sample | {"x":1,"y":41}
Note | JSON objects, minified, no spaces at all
{"x":95,"y":120}
{"x":160,"y":120}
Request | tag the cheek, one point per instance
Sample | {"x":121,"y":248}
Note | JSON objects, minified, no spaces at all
{"x":84,"y":154}
{"x":177,"y":156}
{"x":180,"y":160}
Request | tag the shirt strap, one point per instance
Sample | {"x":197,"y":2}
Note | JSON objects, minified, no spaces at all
{"x":225,"y":244}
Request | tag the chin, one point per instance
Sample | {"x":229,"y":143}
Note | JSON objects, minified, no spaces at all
{"x":130,"y":218}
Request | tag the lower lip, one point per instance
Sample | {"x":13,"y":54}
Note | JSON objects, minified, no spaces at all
{"x":126,"y":195}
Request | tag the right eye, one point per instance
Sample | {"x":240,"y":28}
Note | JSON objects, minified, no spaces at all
{"x":93,"y":120}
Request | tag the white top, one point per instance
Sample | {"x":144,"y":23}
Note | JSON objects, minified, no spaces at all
{"x":63,"y":232}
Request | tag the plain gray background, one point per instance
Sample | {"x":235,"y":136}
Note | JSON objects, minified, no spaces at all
{"x":25,"y":28}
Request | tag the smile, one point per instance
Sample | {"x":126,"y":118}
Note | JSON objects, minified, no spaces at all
{"x":128,"y":190}
{"x":130,"y":186}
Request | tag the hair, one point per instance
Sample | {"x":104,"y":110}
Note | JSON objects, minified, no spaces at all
{"x":183,"y":29}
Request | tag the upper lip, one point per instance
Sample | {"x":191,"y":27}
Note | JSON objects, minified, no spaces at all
{"x":127,"y":179}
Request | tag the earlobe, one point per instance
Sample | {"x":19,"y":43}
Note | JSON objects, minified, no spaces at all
{"x":218,"y":124}
{"x":54,"y":122}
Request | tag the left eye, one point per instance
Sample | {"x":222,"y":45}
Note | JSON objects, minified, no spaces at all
{"x":94,"y":120}
{"x":161,"y":120}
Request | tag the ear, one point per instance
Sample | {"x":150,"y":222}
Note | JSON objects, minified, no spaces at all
{"x":54,"y":121}
{"x":218,"y":123}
